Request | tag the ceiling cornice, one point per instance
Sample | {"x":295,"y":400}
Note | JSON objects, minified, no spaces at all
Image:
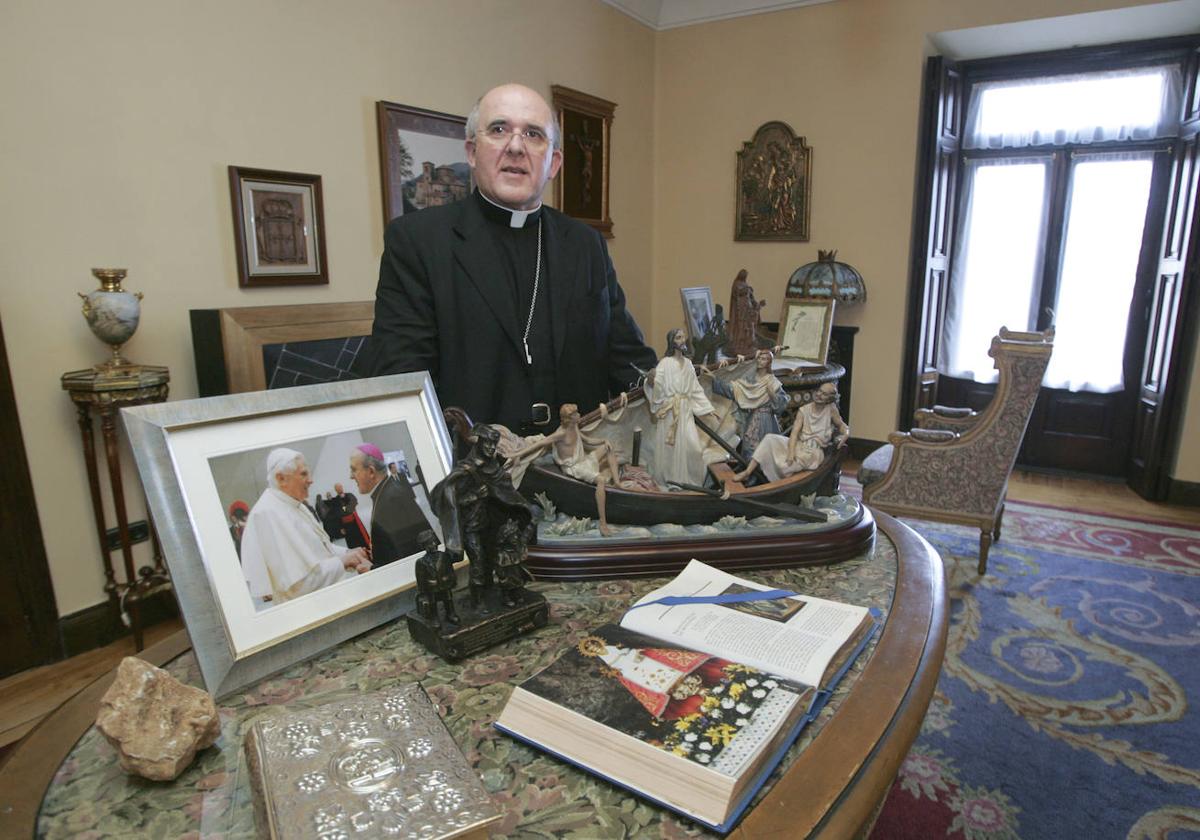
{"x":672,"y":14}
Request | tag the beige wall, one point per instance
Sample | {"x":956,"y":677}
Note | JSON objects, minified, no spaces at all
{"x":847,"y":76}
{"x":119,"y":121}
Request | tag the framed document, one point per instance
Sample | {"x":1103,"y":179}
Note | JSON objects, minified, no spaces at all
{"x":804,"y":329}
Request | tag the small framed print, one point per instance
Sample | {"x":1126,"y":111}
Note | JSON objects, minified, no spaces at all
{"x":422,"y":158}
{"x":804,"y":329}
{"x":697,"y":309}
{"x":256,"y":512}
{"x":278,"y":227}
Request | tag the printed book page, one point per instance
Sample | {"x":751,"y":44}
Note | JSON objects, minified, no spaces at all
{"x":794,"y":637}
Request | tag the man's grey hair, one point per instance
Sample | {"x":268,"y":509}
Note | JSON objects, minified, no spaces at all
{"x":473,"y":126}
{"x":282,"y":460}
{"x":371,"y":461}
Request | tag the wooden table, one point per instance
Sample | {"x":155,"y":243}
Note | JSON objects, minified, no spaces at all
{"x":832,"y":787}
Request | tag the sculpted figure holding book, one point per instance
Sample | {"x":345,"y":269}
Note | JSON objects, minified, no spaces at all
{"x":435,"y":580}
{"x":818,"y":426}
{"x":472,"y":501}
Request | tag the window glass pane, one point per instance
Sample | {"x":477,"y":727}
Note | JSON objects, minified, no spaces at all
{"x":1118,"y":105}
{"x":1105,"y":220}
{"x":995,"y":280}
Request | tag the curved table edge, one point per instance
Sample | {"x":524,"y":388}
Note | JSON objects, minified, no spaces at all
{"x":26,"y":774}
{"x":836,"y":793}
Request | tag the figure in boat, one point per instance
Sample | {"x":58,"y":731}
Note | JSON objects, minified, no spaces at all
{"x":817,"y":426}
{"x":681,"y":455}
{"x":589,"y":459}
{"x":758,"y":398}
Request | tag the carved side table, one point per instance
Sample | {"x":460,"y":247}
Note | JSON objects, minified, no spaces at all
{"x":103,"y":390}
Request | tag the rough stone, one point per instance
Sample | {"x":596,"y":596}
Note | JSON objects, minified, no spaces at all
{"x":156,"y":723}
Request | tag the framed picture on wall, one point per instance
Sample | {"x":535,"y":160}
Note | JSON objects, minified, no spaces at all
{"x":585,"y":125}
{"x":697,"y":309}
{"x":422,"y":158}
{"x":241,"y":487}
{"x":774,"y":186}
{"x":804,"y":330}
{"x":278,"y":227}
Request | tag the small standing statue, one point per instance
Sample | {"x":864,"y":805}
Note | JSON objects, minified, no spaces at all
{"x":759,"y":397}
{"x":818,"y":426}
{"x":479,"y":508}
{"x":435,"y":581}
{"x":744,"y":315}
{"x":512,"y":541}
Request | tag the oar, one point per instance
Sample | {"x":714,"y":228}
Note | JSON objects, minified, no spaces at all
{"x":712,"y":433}
{"x":790,"y":511}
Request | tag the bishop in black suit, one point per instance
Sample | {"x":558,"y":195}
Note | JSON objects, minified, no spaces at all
{"x":396,"y":518}
{"x":513,"y":307}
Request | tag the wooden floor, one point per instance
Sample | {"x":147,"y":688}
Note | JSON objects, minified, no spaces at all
{"x":29,"y":696}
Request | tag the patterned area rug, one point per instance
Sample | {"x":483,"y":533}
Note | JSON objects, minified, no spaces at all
{"x":1062,"y":709}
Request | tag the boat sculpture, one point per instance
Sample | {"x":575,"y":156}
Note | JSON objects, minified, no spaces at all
{"x":628,"y":426}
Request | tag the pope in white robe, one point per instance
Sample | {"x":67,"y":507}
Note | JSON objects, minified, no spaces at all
{"x":285,"y":551}
{"x":676,"y":400}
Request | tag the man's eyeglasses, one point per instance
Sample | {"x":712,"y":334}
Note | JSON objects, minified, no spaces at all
{"x":500,"y":135}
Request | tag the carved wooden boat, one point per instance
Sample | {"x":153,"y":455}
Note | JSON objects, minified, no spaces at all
{"x":685,"y":507}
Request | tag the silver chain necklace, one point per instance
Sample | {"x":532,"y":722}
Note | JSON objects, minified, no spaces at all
{"x":537,"y":274}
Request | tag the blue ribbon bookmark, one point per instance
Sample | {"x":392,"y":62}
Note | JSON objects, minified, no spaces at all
{"x":727,"y":598}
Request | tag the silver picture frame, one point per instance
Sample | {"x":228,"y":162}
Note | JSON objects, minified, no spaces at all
{"x":237,"y":639}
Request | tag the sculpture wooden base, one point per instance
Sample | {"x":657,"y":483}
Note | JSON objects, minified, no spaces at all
{"x":766,"y":549}
{"x":481,"y":627}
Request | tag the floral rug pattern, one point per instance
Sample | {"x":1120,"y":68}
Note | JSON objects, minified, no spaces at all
{"x":91,"y":798}
{"x":1062,"y":710}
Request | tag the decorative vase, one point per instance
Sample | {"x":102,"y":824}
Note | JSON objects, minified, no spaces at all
{"x":112,"y":313}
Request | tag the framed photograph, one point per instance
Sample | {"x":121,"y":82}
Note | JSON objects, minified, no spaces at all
{"x":774,"y":186}
{"x":278,"y":227}
{"x":255,"y":348}
{"x":234,"y":484}
{"x":804,"y":329}
{"x":697,"y":309}
{"x":581,"y":188}
{"x":422,"y":158}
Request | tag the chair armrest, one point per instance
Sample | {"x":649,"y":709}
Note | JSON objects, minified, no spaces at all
{"x":922,"y":436}
{"x":945,"y":417}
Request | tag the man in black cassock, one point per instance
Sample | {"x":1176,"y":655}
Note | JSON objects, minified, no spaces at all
{"x":513,"y":307}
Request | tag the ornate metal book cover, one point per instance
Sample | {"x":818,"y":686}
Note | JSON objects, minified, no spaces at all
{"x":376,"y":765}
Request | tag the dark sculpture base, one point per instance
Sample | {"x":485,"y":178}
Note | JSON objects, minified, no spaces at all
{"x":481,"y":627}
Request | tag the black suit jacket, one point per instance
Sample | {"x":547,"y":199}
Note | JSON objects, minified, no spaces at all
{"x":444,"y":305}
{"x":396,"y":521}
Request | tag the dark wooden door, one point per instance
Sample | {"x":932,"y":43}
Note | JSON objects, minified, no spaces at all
{"x":1171,"y":304}
{"x":933,"y":233}
{"x":28,"y":616}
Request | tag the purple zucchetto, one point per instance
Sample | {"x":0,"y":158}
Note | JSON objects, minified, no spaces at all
{"x":370,"y":449}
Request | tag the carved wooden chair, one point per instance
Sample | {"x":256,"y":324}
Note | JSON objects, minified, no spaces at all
{"x":955,"y":463}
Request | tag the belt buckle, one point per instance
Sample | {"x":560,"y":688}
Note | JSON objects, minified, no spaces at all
{"x":539,"y":414}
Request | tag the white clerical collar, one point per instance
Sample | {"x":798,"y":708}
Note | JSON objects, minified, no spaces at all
{"x":516,"y":218}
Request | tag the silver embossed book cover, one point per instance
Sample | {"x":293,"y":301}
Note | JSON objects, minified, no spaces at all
{"x":374,"y":765}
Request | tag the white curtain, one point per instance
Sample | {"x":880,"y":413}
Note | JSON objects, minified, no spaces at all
{"x":1105,"y":219}
{"x":995,"y":278}
{"x":1135,"y":104}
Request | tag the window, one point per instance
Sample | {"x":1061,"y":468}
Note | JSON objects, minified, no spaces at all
{"x":1056,"y":175}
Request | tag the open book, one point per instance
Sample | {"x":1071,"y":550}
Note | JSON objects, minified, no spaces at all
{"x":694,"y":698}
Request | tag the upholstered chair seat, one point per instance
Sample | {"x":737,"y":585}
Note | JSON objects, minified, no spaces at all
{"x":953,"y":466}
